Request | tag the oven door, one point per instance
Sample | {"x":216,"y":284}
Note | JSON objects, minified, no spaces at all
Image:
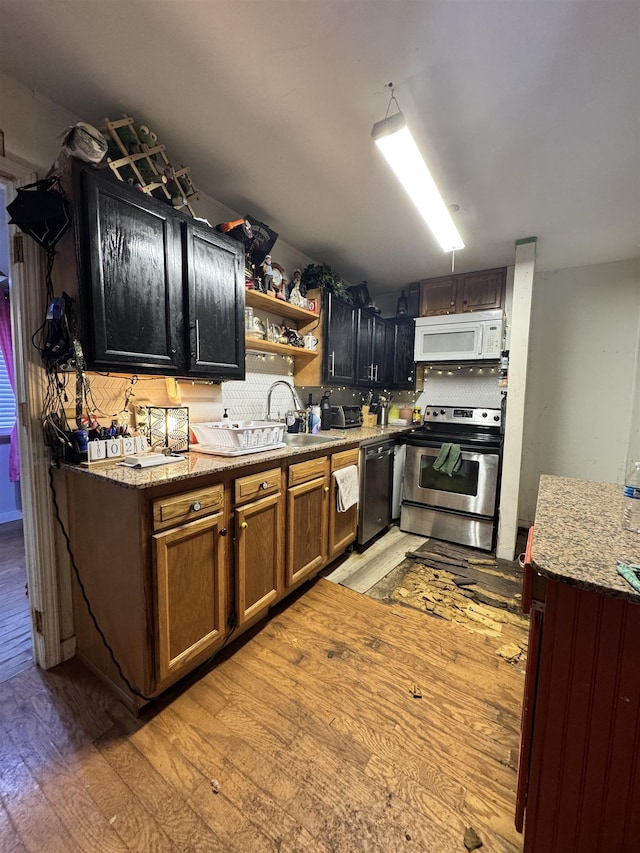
{"x":473,"y":489}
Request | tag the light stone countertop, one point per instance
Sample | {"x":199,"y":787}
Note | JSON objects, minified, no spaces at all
{"x":201,"y":464}
{"x":578,"y":536}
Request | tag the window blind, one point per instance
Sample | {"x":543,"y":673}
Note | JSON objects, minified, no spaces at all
{"x":7,"y":400}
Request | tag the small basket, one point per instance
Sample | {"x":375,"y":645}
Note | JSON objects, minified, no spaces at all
{"x":238,"y":435}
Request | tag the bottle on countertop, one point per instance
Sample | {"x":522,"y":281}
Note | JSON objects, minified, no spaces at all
{"x":631,"y":511}
{"x":417,"y":415}
{"x":325,"y":411}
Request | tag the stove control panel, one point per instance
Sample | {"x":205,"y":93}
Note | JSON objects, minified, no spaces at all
{"x":463,"y":416}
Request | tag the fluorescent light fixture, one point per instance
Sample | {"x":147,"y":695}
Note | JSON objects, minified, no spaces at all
{"x":394,"y":139}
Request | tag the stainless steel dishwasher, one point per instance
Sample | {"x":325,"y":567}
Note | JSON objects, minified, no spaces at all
{"x":376,"y":487}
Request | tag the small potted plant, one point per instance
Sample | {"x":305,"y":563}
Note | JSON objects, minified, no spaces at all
{"x":321,"y":275}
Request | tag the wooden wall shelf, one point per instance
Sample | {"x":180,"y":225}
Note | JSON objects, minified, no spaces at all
{"x":280,"y":308}
{"x":259,"y":345}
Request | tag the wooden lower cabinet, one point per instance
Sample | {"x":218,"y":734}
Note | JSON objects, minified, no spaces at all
{"x":189,"y":584}
{"x":164,"y":583}
{"x":259,"y":566}
{"x":342,"y":525}
{"x":307,"y":527}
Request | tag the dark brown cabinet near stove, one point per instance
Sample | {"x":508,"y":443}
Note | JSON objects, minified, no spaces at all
{"x":457,"y":294}
{"x":159,"y":292}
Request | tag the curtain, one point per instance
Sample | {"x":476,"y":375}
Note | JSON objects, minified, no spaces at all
{"x":6,"y":345}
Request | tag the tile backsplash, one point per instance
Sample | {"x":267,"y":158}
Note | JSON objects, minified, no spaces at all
{"x":467,"y":386}
{"x":247,"y":400}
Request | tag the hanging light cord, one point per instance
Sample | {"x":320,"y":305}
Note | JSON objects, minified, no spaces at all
{"x":392,"y":99}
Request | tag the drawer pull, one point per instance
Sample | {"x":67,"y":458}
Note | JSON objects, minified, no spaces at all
{"x":196,"y":505}
{"x":264,"y":485}
{"x":244,"y":525}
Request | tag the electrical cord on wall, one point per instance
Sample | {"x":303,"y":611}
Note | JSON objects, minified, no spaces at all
{"x":231,"y":621}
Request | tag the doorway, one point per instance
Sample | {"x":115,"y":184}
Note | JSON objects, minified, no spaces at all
{"x":16,"y":645}
{"x":27,"y":310}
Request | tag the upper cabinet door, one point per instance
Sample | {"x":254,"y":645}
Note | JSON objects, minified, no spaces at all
{"x":339,"y":341}
{"x":130,"y":279}
{"x":370,"y":350}
{"x":438,"y":296}
{"x":481,"y":291}
{"x":400,"y":367}
{"x":214,"y":326}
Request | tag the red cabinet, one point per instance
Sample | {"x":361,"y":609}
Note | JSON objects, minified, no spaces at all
{"x":579,"y":769}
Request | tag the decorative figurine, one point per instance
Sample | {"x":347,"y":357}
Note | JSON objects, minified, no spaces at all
{"x":267,"y":274}
{"x":295,"y":296}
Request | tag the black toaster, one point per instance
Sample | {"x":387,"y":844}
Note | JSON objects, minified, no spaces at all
{"x":344,"y":417}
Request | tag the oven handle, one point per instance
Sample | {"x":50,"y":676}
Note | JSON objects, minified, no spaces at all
{"x":496,"y":449}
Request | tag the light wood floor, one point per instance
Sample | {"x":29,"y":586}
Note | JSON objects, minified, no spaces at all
{"x":309,"y":727}
{"x":16,"y":652}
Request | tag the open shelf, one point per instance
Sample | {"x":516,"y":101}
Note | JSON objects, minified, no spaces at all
{"x":259,"y":345}
{"x":255,"y":299}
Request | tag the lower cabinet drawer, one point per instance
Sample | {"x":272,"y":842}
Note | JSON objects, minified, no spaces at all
{"x":258,"y":485}
{"x":187,"y":506}
{"x":344,"y":458}
{"x":301,"y":472}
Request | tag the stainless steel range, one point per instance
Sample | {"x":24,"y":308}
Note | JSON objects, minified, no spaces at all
{"x":454,"y":495}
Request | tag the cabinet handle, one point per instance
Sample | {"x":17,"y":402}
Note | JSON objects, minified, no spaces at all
{"x":243,"y":525}
{"x":326,"y":488}
{"x":197,"y":340}
{"x":196,"y":505}
{"x":223,"y":531}
{"x":376,"y":375}
{"x":332,"y":358}
{"x":264,"y":485}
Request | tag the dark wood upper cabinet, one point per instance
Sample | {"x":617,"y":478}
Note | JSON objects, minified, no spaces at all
{"x":400,"y":368}
{"x":129,"y":279}
{"x":214,"y":274}
{"x":457,"y":294}
{"x":370,"y":341}
{"x":339,"y":341}
{"x":159,"y":293}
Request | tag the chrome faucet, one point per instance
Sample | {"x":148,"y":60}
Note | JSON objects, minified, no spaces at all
{"x":294,"y":395}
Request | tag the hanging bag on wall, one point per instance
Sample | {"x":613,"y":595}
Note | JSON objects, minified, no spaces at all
{"x":41,"y":211}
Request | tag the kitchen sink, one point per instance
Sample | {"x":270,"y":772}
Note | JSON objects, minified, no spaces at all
{"x":304,"y":439}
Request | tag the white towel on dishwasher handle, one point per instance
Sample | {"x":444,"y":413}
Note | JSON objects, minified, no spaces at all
{"x":348,"y":491}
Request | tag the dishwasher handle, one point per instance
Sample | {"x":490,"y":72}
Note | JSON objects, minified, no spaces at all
{"x":378,"y":451}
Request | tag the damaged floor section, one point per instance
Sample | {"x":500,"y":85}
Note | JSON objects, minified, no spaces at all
{"x":340,"y":725}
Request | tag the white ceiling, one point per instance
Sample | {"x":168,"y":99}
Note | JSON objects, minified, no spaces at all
{"x":527,"y":111}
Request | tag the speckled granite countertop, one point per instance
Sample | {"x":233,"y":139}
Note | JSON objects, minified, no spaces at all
{"x":200,"y":464}
{"x":579,"y":538}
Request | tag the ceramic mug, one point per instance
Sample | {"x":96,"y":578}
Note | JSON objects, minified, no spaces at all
{"x":310,"y":342}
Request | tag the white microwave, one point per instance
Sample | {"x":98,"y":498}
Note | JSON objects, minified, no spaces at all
{"x":460,"y":337}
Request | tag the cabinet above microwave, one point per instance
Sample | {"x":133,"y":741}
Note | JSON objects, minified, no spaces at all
{"x":460,"y":337}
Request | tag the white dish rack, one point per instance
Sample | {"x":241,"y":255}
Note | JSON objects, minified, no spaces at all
{"x":235,"y":438}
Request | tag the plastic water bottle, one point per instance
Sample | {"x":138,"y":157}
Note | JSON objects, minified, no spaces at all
{"x":631,"y":512}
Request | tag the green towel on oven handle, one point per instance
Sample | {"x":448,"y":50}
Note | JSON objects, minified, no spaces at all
{"x":453,"y":461}
{"x":442,"y":457}
{"x":449,"y":459}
